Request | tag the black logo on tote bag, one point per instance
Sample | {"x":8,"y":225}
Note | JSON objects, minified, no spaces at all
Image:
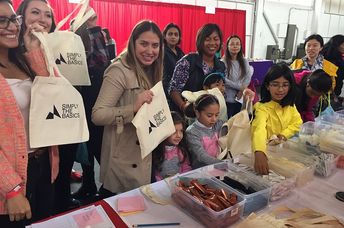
{"x":72,"y":58}
{"x":159,"y":118}
{"x":69,"y":111}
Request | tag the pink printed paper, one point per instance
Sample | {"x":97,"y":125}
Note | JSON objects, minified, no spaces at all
{"x":88,"y":218}
{"x":130,"y":204}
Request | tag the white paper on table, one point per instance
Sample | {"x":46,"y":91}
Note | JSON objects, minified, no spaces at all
{"x":69,"y":220}
{"x":155,"y":213}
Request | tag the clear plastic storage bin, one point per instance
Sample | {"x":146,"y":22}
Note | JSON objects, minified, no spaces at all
{"x":288,"y":164}
{"x":279,"y":188}
{"x":328,"y":136}
{"x":335,"y":118}
{"x":325,"y":163}
{"x":234,"y":174}
{"x":198,"y":210}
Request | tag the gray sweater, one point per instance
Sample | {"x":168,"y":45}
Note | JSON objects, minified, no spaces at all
{"x":197,"y":135}
{"x":233,"y":83}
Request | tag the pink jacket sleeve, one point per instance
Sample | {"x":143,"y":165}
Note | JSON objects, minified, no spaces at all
{"x":36,"y":61}
{"x":9,"y":178}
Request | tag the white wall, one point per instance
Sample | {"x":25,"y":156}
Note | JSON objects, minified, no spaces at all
{"x":309,"y":19}
{"x":307,"y":15}
{"x":279,"y":14}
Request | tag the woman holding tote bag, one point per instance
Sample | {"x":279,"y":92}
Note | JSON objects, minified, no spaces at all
{"x":19,"y":162}
{"x":38,"y":14}
{"x":125,"y":88}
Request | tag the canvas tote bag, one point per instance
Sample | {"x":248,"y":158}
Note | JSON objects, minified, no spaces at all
{"x":153,"y":121}
{"x":57,"y":114}
{"x":235,"y":135}
{"x":68,"y":49}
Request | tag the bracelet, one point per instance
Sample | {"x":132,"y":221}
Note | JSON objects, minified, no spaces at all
{"x":14,"y":192}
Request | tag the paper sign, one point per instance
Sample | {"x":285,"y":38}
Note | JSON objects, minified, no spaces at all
{"x":88,"y":218}
{"x":210,"y":9}
{"x":131,"y":203}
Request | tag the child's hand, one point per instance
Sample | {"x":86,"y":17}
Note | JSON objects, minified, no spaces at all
{"x":276,"y":140}
{"x":282,"y":138}
{"x":261,"y":163}
{"x":248,"y":94}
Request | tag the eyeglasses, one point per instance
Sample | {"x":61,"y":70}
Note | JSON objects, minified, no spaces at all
{"x":278,"y":85}
{"x":5,"y":21}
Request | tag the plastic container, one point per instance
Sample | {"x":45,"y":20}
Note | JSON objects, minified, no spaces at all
{"x":199,"y":211}
{"x":281,"y":186}
{"x":254,"y":201}
{"x":325,"y":163}
{"x":289,"y":164}
{"x":328,"y":136}
{"x":336,"y":118}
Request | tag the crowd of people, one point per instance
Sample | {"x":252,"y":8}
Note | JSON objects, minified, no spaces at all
{"x":35,"y":182}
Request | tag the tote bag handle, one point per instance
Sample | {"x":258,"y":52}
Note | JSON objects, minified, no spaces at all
{"x":51,"y":65}
{"x":80,"y":18}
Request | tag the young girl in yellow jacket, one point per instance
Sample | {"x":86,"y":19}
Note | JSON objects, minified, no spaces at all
{"x":275,"y":116}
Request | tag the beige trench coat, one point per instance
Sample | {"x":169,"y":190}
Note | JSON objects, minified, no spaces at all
{"x":122,"y":167}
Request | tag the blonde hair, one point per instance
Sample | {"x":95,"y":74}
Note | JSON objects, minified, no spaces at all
{"x":129,"y":56}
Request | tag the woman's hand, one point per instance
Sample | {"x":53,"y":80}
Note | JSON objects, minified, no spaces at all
{"x":31,"y":42}
{"x":261,"y":163}
{"x":18,"y":207}
{"x":239,"y":94}
{"x":144,"y":97}
{"x":248,"y":94}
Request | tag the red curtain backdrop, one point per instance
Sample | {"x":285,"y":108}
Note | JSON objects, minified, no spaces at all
{"x":121,"y":16}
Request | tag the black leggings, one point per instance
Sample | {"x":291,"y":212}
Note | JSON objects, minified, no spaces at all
{"x":6,"y":223}
{"x":39,"y":189}
{"x":62,"y":183}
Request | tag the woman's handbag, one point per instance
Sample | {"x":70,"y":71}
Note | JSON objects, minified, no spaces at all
{"x":68,"y":49}
{"x":57,"y":113}
{"x":235,"y":135}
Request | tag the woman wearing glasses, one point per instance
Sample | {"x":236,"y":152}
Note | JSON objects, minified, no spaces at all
{"x":275,"y":117}
{"x":15,"y":84}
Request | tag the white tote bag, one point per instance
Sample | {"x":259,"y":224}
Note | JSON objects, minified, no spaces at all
{"x":153,"y":121}
{"x":57,"y":114}
{"x":68,"y":49}
{"x":237,"y":139}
